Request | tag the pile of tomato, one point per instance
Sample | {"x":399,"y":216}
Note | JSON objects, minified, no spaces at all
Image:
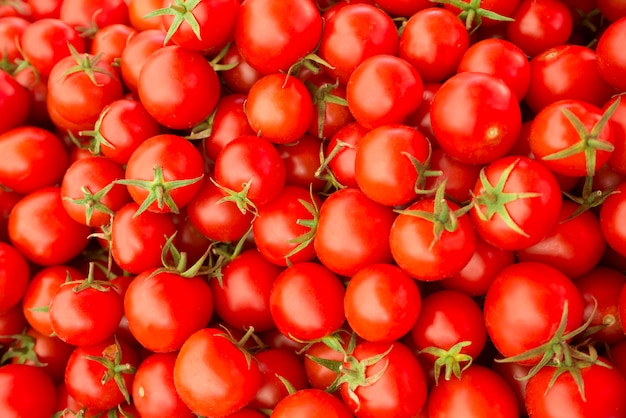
{"x":299,"y":208}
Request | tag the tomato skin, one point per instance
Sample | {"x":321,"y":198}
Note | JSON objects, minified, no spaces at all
{"x":435,"y":57}
{"x":178,"y":87}
{"x":383,"y":169}
{"x":33,"y":158}
{"x":306,"y":301}
{"x":394,"y":293}
{"x":363,"y":225}
{"x":137,"y":50}
{"x":612,"y":212}
{"x":136,"y":242}
{"x":311,"y":403}
{"x":417,"y":250}
{"x":490,"y":396}
{"x":400,"y":391}
{"x":343,"y":163}
{"x":279,"y":108}
{"x":605,"y":393}
{"x":208,"y":355}
{"x":487,"y":118}
{"x":14,"y":103}
{"x":153,"y":390}
{"x":540,"y":292}
{"x":302,"y":161}
{"x":27,"y":392}
{"x":535,"y":215}
{"x":354,"y":33}
{"x":383,"y":90}
{"x":39,"y":223}
{"x":265,"y":31}
{"x":611,"y":59}
{"x":166,"y":309}
{"x":14,"y":276}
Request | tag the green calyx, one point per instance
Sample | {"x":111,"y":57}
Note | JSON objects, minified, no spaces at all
{"x":93,"y":201}
{"x":111,"y":360}
{"x":449,"y":360}
{"x":590,"y":141}
{"x":89,"y":282}
{"x":423,"y":171}
{"x":492,"y":199}
{"x":182,"y":12}
{"x":22,"y":350}
{"x":86,"y":63}
{"x":240,"y":198}
{"x":96,"y":139}
{"x":442,"y":217}
{"x":322,"y":96}
{"x":305,"y":239}
{"x":472,"y":14}
{"x":325,"y":173}
{"x":559,"y":354}
{"x":159,"y":190}
{"x":354,"y":373}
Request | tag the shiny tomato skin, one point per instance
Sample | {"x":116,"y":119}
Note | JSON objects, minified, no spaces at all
{"x":611,"y":58}
{"x":311,"y":403}
{"x":41,"y":229}
{"x":14,"y":276}
{"x":27,"y":392}
{"x":612,"y":212}
{"x":487,"y":117}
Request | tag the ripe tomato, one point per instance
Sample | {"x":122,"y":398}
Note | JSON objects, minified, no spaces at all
{"x":14,"y":276}
{"x":487,"y":117}
{"x":611,"y":58}
{"x":41,"y":229}
{"x":382,"y":90}
{"x":178,"y":87}
{"x":273,"y":36}
{"x":26,"y":391}
{"x":306,"y":302}
{"x":392,"y":292}
{"x":611,"y":213}
{"x":311,"y":403}
{"x":209,"y":356}
{"x":14,"y":103}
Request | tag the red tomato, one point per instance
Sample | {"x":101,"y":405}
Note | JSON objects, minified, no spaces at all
{"x":209,"y":356}
{"x":383,"y":90}
{"x":381,"y":303}
{"x":178,"y":87}
{"x":41,"y":229}
{"x":612,"y":212}
{"x":14,"y":103}
{"x":137,"y":50}
{"x":14,"y":276}
{"x":487,"y":117}
{"x":311,"y":403}
{"x":363,"y":226}
{"x":273,"y":36}
{"x":306,"y":302}
{"x":611,"y":57}
{"x":26,"y":392}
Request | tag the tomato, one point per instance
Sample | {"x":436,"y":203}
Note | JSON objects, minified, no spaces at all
{"x":435,"y":57}
{"x":392,"y":292}
{"x":540,"y":292}
{"x":476,"y":13}
{"x":26,"y":391}
{"x":11,"y":28}
{"x":604,"y":389}
{"x":100,"y":376}
{"x":164,"y":308}
{"x":539,"y":25}
{"x":459,"y":177}
{"x":577,"y":70}
{"x":199,"y":25}
{"x":383,"y":90}
{"x":553,"y":131}
{"x":279,"y":108}
{"x":111,"y":40}
{"x":14,"y":103}
{"x":164,"y":173}
{"x":40,"y":291}
{"x":137,"y":241}
{"x":138,"y":9}
{"x":45,"y":42}
{"x":611,"y":213}
{"x":89,"y":195}
{"x":135,"y":53}
{"x":487,"y":117}
{"x":33,"y":158}
{"x":319,"y":376}
{"x":312,"y":403}
{"x":249,"y":170}
{"x":284,"y":229}
{"x":430,"y":240}
{"x":490,"y":396}
{"x":178,"y":87}
{"x":501,"y":58}
{"x":80,"y":86}
{"x":210,"y":356}
{"x":242,"y":76}
{"x":340,"y":154}
{"x":153,"y":388}
{"x":14,"y":276}
{"x":12,"y":322}
{"x":363,"y":226}
{"x":89,"y":16}
{"x":302,"y":162}
{"x":611,"y":9}
{"x":306,"y":302}
{"x":517,"y":202}
{"x":611,"y":59}
{"x":41,"y":229}
{"x":398,"y":387}
{"x":450,"y":328}
{"x":84,"y":314}
{"x":272,"y":36}
{"x":574,"y":245}
{"x":352,"y":34}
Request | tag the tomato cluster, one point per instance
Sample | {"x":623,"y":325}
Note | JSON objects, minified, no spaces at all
{"x":299,"y":208}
